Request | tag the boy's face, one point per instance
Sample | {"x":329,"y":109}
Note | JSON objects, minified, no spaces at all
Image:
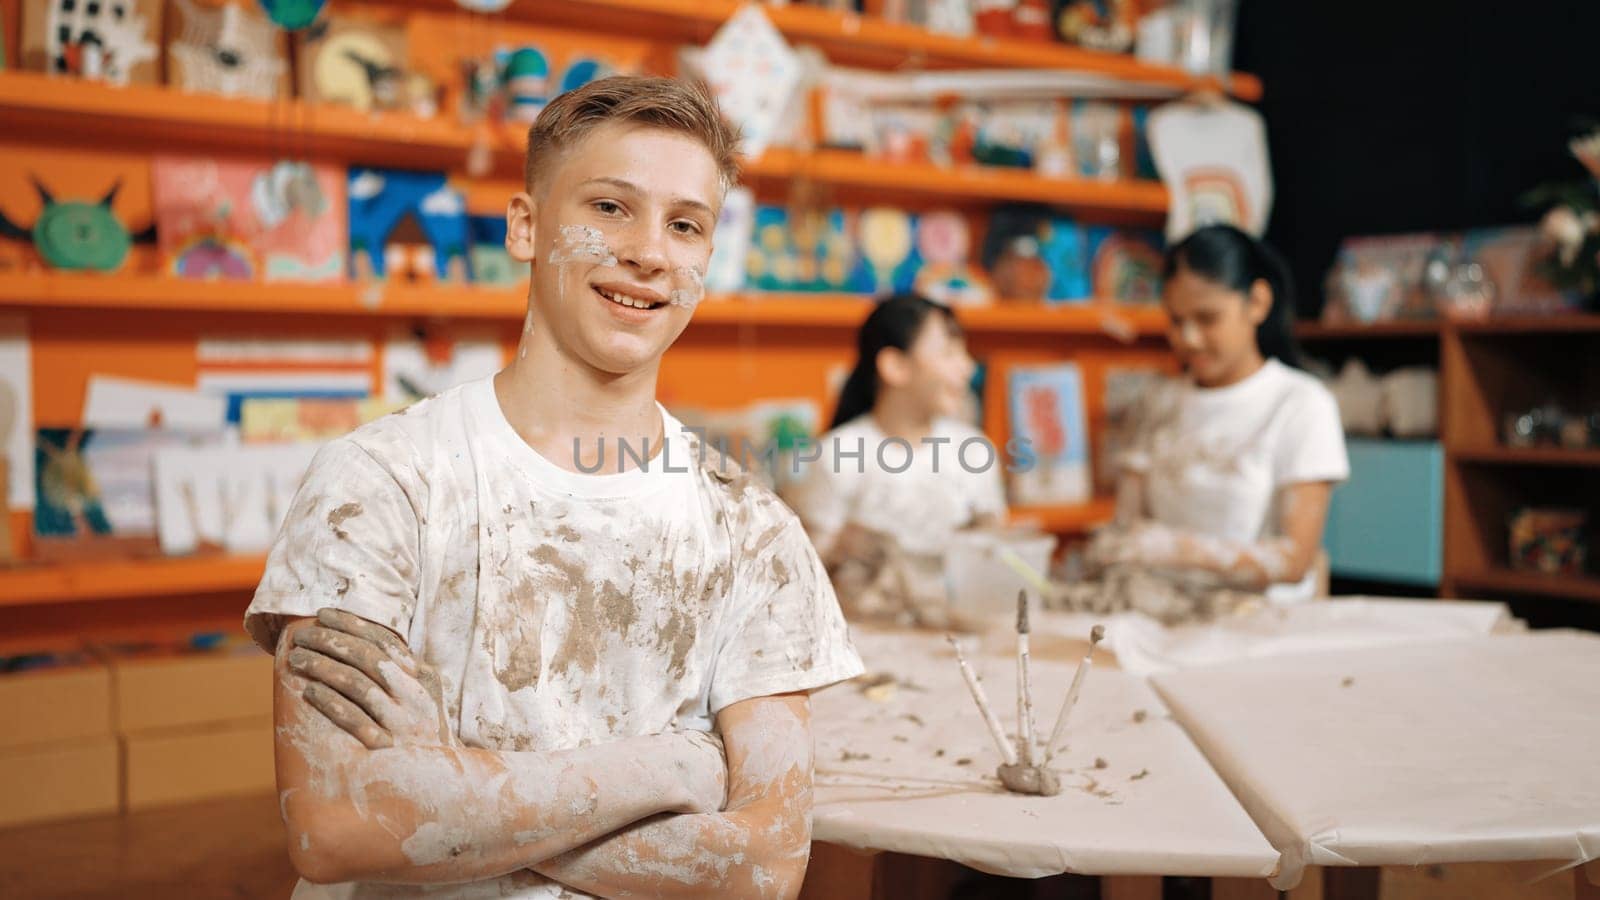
{"x":619,"y":235}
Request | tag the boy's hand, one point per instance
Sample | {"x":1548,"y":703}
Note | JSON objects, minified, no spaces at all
{"x":365,"y":680}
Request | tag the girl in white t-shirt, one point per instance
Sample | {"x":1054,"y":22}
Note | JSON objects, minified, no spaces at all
{"x":1231,"y":465}
{"x":897,"y":466}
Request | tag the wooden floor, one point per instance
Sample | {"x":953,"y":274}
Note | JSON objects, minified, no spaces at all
{"x":220,"y":848}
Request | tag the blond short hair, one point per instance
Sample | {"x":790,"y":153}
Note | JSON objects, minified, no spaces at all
{"x":671,"y":104}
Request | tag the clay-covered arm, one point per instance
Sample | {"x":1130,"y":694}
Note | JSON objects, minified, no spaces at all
{"x":758,"y":848}
{"x":405,"y":803}
{"x":1253,"y":565}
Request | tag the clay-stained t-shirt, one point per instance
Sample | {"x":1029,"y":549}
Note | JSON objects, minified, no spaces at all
{"x":560,"y":609}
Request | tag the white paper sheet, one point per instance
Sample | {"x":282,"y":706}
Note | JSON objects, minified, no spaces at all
{"x":905,"y":797}
{"x":16,"y":412}
{"x":1144,"y":646}
{"x":130,"y":403}
{"x":1483,"y":750}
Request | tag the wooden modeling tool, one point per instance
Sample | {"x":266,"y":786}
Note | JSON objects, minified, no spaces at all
{"x":1096,"y":635}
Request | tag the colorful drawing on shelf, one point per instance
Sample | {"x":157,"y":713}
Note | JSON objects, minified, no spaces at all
{"x":731,"y":242}
{"x":1125,"y":266}
{"x":16,"y":417}
{"x":491,"y":264}
{"x":280,"y":221}
{"x":406,"y":226}
{"x":887,"y":249}
{"x":421,"y":364}
{"x":1063,"y":247}
{"x":77,"y":234}
{"x":292,"y":15}
{"x":754,"y":75}
{"x":1047,"y":411}
{"x":94,"y":488}
{"x":1216,"y":195}
{"x":112,"y":42}
{"x":947,"y":274}
{"x":525,"y":81}
{"x":232,"y":50}
{"x":362,"y":63}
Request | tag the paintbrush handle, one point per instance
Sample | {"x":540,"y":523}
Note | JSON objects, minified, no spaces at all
{"x":1060,"y":728}
{"x":997,"y":732}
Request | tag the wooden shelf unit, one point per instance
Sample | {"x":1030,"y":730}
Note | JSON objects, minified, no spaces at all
{"x":1317,"y":332}
{"x":73,"y":290}
{"x":1489,"y":369}
{"x":167,"y":117}
{"x":87,"y":323}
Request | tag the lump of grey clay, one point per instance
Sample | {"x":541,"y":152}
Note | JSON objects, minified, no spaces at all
{"x":1037,"y":780}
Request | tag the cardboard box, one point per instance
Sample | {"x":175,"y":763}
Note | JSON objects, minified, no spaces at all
{"x":182,"y":766}
{"x":56,"y":704}
{"x":186,"y":690}
{"x":58,"y":781}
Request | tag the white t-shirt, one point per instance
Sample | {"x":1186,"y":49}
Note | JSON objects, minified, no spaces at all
{"x":942,"y":488}
{"x":1215,"y":458}
{"x":560,"y":609}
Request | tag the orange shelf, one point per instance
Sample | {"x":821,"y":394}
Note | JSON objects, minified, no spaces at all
{"x":116,"y":579}
{"x":1577,"y":587}
{"x":167,"y":117}
{"x":1071,"y":519}
{"x":1316,"y":331}
{"x":868,"y":41}
{"x":79,"y":290}
{"x":1527,"y":456}
{"x":982,"y":183}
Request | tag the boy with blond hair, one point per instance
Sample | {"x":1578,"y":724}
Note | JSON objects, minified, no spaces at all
{"x":499,"y":673}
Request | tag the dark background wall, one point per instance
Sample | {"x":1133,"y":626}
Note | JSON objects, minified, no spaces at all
{"x":1387,"y":116}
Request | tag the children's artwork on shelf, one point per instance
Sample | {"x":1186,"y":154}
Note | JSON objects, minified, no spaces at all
{"x":292,"y":15}
{"x":361,"y":62}
{"x":407,"y":226}
{"x":491,"y":263}
{"x":229,"y":498}
{"x":754,"y":75}
{"x":421,"y":364}
{"x":1381,"y":278}
{"x":1213,"y":159}
{"x":16,"y":417}
{"x":1063,"y":245}
{"x":280,"y":420}
{"x":508,"y":73}
{"x":1097,"y":24}
{"x":114,"y":402}
{"x":1097,"y":133}
{"x":888,"y":254}
{"x":237,"y":220}
{"x":746,"y":434}
{"x":229,"y":49}
{"x":1144,"y":162}
{"x":731,"y":242}
{"x":247,"y":368}
{"x":1508,"y":258}
{"x":1047,"y":413}
{"x":947,"y":274}
{"x":1125,"y":266}
{"x":94,"y":489}
{"x":114,"y":41}
{"x":74,"y":210}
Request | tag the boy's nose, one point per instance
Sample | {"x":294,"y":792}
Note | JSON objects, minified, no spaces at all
{"x":644,"y":249}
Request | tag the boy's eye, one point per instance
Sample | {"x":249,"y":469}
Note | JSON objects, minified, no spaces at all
{"x":607,"y":207}
{"x":683,"y":226}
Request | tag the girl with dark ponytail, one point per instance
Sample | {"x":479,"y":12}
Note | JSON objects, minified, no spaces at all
{"x":1231,"y":466}
{"x":897,"y":464}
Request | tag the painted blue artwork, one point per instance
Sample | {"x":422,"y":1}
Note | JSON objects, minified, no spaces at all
{"x":399,"y":207}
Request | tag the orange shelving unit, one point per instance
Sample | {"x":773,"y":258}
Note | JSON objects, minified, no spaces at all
{"x":740,"y":347}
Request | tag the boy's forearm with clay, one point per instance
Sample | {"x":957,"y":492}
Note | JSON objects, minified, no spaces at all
{"x":376,"y":787}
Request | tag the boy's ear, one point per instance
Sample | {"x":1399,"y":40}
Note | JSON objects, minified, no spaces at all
{"x":894,"y":368}
{"x":521,"y":213}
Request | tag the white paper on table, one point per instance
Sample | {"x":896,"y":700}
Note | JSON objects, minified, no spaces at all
{"x":16,"y":412}
{"x":1144,"y":646}
{"x":907,"y":797}
{"x":114,"y":402}
{"x":753,"y":73}
{"x":1460,"y":751}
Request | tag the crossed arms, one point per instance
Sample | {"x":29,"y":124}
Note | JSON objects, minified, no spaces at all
{"x":375,"y":787}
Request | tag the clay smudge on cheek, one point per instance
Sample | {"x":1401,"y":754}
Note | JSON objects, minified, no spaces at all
{"x":688,"y":287}
{"x":582,"y":244}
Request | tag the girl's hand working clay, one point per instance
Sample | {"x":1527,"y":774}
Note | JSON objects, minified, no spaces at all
{"x":367,"y":682}
{"x":859,"y":544}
